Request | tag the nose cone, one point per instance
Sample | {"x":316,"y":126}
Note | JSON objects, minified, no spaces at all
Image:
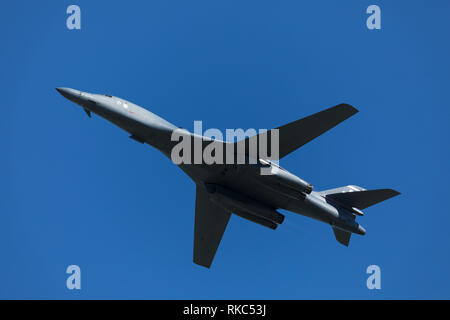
{"x":68,"y":93}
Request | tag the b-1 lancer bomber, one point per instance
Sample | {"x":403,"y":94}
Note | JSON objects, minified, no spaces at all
{"x":241,"y":187}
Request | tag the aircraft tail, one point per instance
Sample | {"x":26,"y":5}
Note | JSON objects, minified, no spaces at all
{"x":342,"y":236}
{"x":355,"y":199}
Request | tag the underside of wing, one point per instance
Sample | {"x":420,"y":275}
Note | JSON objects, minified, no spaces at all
{"x":296,"y":134}
{"x":210,"y":224}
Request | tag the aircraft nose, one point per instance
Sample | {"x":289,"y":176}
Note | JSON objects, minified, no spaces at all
{"x":69,"y":93}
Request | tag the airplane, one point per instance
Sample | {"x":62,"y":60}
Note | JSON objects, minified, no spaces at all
{"x":223,"y":189}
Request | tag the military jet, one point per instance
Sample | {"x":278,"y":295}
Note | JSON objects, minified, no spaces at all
{"x":239,"y":187}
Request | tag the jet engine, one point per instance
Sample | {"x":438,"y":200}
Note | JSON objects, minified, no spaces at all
{"x":274,"y":175}
{"x":244,"y":207}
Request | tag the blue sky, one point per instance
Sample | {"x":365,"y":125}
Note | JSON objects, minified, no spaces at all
{"x":79,"y":191}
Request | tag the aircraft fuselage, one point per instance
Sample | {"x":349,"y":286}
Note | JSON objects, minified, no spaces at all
{"x":260,"y":196}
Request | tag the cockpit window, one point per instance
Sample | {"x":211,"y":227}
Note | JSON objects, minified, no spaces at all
{"x":107,"y":95}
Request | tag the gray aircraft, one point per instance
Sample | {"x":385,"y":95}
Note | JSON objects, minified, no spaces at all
{"x":240,"y":187}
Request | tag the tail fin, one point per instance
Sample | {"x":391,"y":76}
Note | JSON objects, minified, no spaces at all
{"x":342,"y":236}
{"x":355,"y":198}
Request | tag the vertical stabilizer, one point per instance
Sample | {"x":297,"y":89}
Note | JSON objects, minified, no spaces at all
{"x":342,"y":236}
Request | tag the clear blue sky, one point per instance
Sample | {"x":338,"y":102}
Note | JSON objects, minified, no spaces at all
{"x":79,"y":191}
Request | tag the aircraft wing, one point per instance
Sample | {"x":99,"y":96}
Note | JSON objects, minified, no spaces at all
{"x":210,"y":224}
{"x":298,"y":133}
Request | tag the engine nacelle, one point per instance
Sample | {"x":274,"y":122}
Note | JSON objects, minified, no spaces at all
{"x":243,"y":206}
{"x":263,"y":222}
{"x":278,"y":176}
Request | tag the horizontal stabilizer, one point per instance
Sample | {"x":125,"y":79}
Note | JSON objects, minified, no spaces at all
{"x":362,"y":199}
{"x":342,"y":236}
{"x":350,"y":188}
